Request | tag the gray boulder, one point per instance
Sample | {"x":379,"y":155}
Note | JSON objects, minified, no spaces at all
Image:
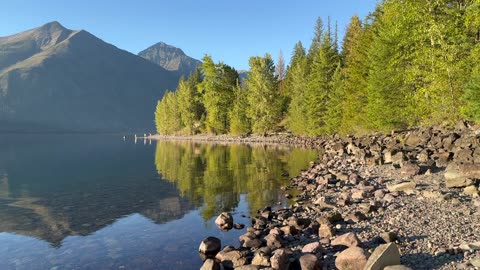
{"x":383,"y":256}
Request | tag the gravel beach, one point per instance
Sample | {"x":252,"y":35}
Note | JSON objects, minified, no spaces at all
{"x":409,"y":199}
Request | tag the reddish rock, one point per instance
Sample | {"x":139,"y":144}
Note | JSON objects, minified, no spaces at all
{"x":314,"y":248}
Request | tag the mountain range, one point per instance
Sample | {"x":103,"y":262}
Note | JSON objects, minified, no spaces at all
{"x":56,"y":79}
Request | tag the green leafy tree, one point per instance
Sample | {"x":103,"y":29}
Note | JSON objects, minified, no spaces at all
{"x":189,"y":102}
{"x":167,"y":115}
{"x":264,"y":104}
{"x":471,"y":97}
{"x":239,"y":121}
{"x":217,"y":87}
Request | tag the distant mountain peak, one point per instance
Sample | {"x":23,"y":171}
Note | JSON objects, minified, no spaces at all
{"x":170,"y":58}
{"x":50,"y":31}
{"x":19,"y":47}
{"x":165,"y":46}
{"x":54,"y":25}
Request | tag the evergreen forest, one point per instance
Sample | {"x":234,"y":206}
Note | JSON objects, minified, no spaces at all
{"x":408,"y":63}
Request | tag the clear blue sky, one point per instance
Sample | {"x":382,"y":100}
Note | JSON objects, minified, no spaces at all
{"x":230,"y":31}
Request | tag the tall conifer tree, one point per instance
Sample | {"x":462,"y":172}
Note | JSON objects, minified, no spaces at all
{"x":264,"y":108}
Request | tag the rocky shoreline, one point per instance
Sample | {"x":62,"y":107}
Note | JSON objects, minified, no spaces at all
{"x":405,"y":200}
{"x":279,"y":138}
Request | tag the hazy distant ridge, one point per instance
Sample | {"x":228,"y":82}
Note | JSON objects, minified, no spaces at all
{"x":53,"y":78}
{"x":170,"y":58}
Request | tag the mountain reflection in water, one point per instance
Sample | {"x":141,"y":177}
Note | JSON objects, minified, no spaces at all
{"x":97,"y":202}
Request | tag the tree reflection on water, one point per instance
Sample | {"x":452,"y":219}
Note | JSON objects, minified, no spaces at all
{"x":215,"y":175}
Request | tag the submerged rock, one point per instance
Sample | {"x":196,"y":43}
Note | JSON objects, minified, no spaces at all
{"x":209,"y":247}
{"x":224,"y":221}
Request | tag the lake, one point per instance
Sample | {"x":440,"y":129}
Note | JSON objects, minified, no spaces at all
{"x":99,"y":202}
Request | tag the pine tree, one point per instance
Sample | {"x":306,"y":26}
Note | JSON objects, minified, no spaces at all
{"x":263,"y":97}
{"x":280,"y":71}
{"x":471,"y":97}
{"x":440,"y":60}
{"x":356,"y":43}
{"x":319,"y":85}
{"x":418,"y":63}
{"x":296,"y":85}
{"x":334,"y":113}
{"x":471,"y":110}
{"x":391,"y":51}
{"x":316,"y":41}
{"x":298,"y":55}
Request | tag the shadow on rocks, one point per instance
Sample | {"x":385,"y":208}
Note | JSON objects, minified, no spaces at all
{"x":413,"y":238}
{"x":424,"y":261}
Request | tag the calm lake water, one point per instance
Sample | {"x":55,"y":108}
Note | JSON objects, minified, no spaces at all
{"x":98,"y":202}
